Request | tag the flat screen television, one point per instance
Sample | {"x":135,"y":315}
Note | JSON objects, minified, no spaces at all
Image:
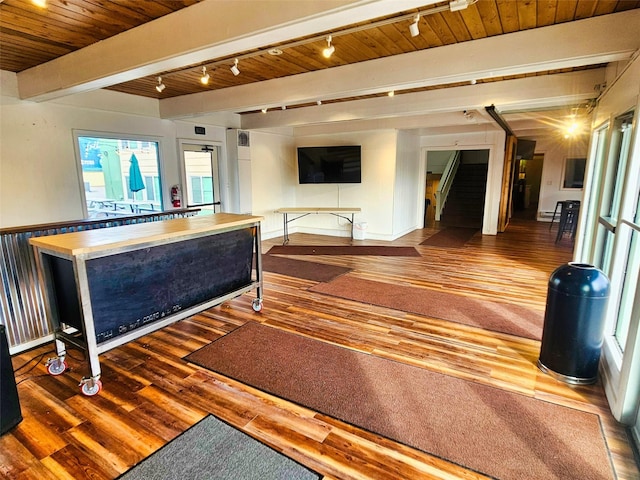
{"x":339,"y":164}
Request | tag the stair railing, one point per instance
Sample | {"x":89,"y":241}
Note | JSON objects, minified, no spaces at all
{"x":446,"y":182}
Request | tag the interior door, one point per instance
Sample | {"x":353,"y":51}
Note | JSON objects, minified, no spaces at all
{"x":201,"y":177}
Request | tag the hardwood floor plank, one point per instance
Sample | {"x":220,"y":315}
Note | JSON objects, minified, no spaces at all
{"x":151,"y":394}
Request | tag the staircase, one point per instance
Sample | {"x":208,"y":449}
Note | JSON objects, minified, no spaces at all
{"x":465,"y":203}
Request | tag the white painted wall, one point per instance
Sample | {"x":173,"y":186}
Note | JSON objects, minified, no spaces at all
{"x":437,"y":160}
{"x":39,"y":176}
{"x":274,"y":179}
{"x":375,"y":195}
{"x":408,"y":189}
{"x":555,"y":150}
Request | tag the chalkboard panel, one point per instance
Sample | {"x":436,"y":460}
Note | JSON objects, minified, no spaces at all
{"x":132,"y":289}
{"x":64,"y":292}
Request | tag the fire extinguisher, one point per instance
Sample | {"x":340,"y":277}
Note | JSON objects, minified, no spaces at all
{"x":175,"y":196}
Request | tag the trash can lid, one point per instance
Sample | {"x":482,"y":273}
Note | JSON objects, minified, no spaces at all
{"x":580,"y":279}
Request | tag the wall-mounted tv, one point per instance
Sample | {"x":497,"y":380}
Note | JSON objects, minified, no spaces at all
{"x":339,"y":164}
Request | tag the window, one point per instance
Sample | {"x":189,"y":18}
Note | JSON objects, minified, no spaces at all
{"x":120,"y":175}
{"x":573,"y":173}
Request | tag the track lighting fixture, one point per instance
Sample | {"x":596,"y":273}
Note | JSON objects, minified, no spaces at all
{"x":264,"y":110}
{"x":391,"y":93}
{"x":413,"y":28}
{"x":204,"y":79}
{"x":456,"y":5}
{"x":234,"y":68}
{"x":327,"y":52}
{"x":160,"y":86}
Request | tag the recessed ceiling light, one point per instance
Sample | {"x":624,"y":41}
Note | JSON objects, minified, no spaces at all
{"x":274,"y":51}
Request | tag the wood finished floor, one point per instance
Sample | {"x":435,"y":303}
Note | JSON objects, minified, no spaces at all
{"x":151,"y":395}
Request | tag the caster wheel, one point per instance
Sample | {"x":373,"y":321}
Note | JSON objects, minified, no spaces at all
{"x":257,"y":305}
{"x":57,"y":367}
{"x":90,"y":391}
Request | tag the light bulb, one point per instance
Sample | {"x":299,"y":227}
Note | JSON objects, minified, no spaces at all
{"x":205,"y":76}
{"x":327,"y":52}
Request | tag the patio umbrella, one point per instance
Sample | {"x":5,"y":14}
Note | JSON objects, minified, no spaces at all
{"x":136,"y":182}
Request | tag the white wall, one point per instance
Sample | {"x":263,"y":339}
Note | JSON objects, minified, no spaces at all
{"x":39,"y":176}
{"x":555,"y":150}
{"x":408,"y":189}
{"x":437,"y":160}
{"x":274,"y":178}
{"x":374,"y":195}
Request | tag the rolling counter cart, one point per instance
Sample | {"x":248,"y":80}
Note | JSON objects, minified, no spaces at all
{"x":106,"y":287}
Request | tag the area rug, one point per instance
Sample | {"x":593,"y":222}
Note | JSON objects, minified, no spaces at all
{"x":377,"y":250}
{"x":317,"y":272}
{"x":500,"y":317}
{"x":450,"y":237}
{"x":212,"y":449}
{"x":505,"y":435}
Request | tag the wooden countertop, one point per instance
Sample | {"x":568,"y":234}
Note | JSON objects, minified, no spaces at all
{"x":104,"y":239}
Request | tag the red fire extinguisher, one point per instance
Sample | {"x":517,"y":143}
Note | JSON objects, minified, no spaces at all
{"x":175,"y":196}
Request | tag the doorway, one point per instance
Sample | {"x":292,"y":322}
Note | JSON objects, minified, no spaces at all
{"x":201,"y":177}
{"x":527,"y":187}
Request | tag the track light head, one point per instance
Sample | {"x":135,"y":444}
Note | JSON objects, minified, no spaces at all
{"x":234,"y":68}
{"x":160,"y":86}
{"x":414,"y":29}
{"x":456,"y":5}
{"x":327,"y":52}
{"x":204,"y":79}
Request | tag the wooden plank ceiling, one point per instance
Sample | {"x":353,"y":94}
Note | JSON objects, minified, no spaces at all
{"x":31,"y":35}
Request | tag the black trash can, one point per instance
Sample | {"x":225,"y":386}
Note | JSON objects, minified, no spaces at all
{"x":574,"y":323}
{"x":10,"y":413}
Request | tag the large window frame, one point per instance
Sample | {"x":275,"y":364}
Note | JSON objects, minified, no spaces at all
{"x":611,"y":241}
{"x":151,"y":198}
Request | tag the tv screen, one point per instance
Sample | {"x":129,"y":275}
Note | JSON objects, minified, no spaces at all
{"x":329,"y":164}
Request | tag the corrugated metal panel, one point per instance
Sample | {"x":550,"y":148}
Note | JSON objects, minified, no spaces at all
{"x":21,"y":299}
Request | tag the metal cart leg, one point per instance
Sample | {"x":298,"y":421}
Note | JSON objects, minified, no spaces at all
{"x":257,"y":302}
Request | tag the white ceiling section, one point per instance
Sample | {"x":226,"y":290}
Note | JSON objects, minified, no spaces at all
{"x":427,"y":110}
{"x":209,"y":29}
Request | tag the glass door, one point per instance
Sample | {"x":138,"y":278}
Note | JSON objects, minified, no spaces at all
{"x":617,"y":252}
{"x":202,"y":178}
